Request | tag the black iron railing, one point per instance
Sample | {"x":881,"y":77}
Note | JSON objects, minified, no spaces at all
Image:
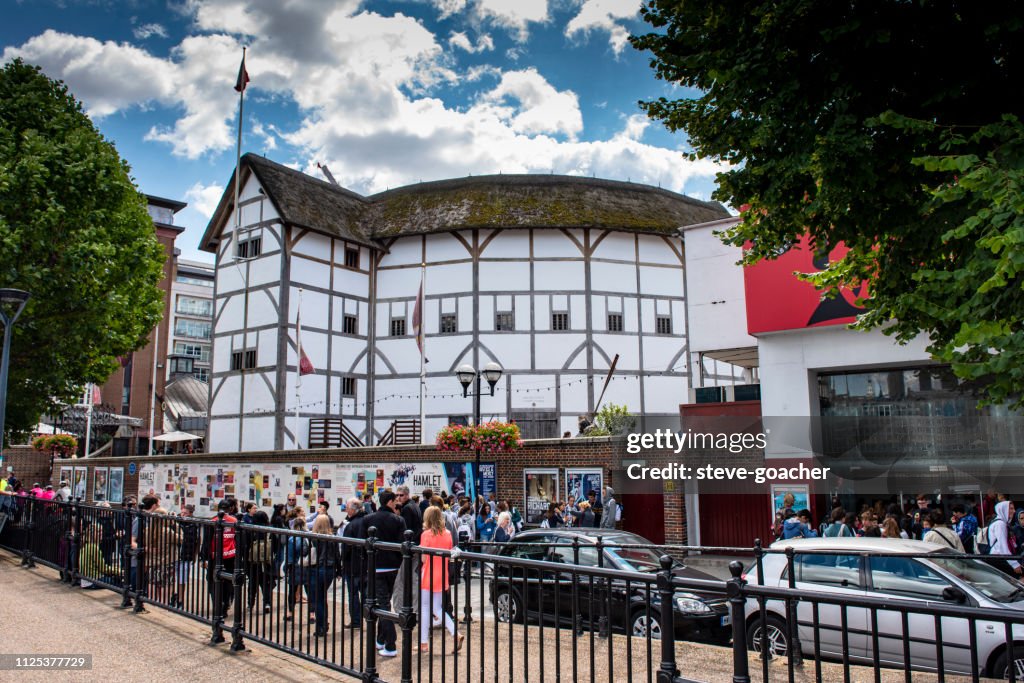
{"x":388,"y":610}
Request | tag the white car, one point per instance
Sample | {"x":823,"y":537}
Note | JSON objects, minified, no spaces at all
{"x":941,"y":577}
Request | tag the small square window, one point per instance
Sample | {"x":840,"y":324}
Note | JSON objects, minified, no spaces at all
{"x":504,"y":322}
{"x":398,"y":327}
{"x":615,"y":322}
{"x":663,"y":324}
{"x":350,"y":325}
{"x":449,"y":323}
{"x":348,"y":386}
{"x":250,"y":247}
{"x":236,"y":359}
{"x":250,"y":359}
{"x":351,"y":257}
{"x":462,"y":420}
{"x":559,"y":321}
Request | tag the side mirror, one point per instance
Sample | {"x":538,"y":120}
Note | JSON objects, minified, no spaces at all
{"x":954,"y":594}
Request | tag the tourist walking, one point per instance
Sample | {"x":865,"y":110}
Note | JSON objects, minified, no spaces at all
{"x":434,"y":579}
{"x":390,"y":529}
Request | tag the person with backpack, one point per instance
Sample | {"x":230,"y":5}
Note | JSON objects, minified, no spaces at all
{"x":837,"y":528}
{"x":325,"y":568}
{"x":998,"y":537}
{"x":612,"y":510}
{"x":297,"y":557}
{"x":940,"y":534}
{"x":259,"y":569}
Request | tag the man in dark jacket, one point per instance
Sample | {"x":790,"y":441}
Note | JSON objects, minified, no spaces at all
{"x":352,"y":560}
{"x":413,"y":516}
{"x":390,"y":529}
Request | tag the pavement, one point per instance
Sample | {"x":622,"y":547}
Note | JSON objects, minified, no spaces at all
{"x":43,"y":616}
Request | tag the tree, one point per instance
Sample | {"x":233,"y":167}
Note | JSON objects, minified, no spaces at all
{"x":612,"y":420}
{"x":75,"y":233}
{"x":890,"y":126}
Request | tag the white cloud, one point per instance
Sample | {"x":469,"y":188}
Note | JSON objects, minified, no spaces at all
{"x":635,"y":127}
{"x":449,"y":7}
{"x":204,"y":198}
{"x":541,"y":108}
{"x":604,"y":15}
{"x":514,"y":15}
{"x":144,"y":31}
{"x":265,"y":133}
{"x":106,"y":76}
{"x":462,"y":41}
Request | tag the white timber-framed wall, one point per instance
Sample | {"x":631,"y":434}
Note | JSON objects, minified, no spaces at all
{"x":370,"y":377}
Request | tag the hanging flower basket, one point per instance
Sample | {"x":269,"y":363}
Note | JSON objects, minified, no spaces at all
{"x":490,"y":437}
{"x":63,"y":444}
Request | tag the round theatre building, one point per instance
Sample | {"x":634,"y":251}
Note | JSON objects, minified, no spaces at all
{"x":551,"y":277}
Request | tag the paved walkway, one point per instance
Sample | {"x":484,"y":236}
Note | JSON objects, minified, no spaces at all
{"x":43,"y":616}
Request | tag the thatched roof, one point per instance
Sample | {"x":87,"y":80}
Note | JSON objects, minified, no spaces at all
{"x":495,"y":201}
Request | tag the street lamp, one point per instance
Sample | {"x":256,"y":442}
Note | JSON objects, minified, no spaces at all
{"x":466,"y":374}
{"x":13,"y":299}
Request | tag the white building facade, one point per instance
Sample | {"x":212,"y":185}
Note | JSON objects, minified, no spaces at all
{"x":551,"y":277}
{"x":190,"y":331}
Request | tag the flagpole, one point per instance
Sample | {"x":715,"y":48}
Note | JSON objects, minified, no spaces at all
{"x":423,"y":354}
{"x":238,"y":151}
{"x":298,"y":365}
{"x":88,"y":418}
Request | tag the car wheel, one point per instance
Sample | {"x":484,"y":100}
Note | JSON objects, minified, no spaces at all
{"x":508,"y":608}
{"x":778,"y":638}
{"x":1001,"y":670}
{"x":645,"y":623}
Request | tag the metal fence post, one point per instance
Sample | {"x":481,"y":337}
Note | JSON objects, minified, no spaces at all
{"x":738,"y":604}
{"x":74,"y":539}
{"x":141,"y":583}
{"x":237,"y":585}
{"x":602,"y":620}
{"x":217,"y":564}
{"x":467,"y":574}
{"x":577,"y":617}
{"x":406,"y":614}
{"x":370,"y":606}
{"x":668,"y":670}
{"x":28,"y":523}
{"x":126,"y":556}
{"x":795,"y":652}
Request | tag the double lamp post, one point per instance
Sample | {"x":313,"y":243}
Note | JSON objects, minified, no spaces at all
{"x":466,"y":374}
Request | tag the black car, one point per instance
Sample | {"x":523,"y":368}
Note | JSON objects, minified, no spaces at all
{"x":584,"y":601}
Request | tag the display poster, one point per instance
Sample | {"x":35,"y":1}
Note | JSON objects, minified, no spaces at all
{"x":579,"y":482}
{"x":78,"y":489}
{"x":66,"y":474}
{"x":115,"y":485}
{"x":99,"y":484}
{"x":540,"y":486}
{"x":801,"y":497}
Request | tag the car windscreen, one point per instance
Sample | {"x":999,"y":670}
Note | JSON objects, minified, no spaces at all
{"x":982,"y":577}
{"x":636,"y":559}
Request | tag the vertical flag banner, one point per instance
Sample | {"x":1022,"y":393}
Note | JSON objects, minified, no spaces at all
{"x":243,"y":75}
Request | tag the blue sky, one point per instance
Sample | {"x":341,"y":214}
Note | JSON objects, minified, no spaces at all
{"x":384,"y":93}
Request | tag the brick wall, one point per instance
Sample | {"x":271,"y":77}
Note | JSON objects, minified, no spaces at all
{"x":30,"y":466}
{"x":547,"y":453}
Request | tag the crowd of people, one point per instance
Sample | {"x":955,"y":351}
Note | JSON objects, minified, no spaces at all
{"x":1000,"y":533}
{"x":584,"y":513}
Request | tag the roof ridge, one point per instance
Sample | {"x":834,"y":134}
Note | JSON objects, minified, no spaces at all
{"x":251,"y":157}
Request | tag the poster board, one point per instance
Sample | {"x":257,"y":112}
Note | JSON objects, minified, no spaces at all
{"x":801,"y":495}
{"x":99,"y":483}
{"x":115,"y":485}
{"x":539,"y":487}
{"x":66,"y":474}
{"x":79,"y":486}
{"x":578,"y":481}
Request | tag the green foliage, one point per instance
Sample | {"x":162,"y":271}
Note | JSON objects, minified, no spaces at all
{"x":63,"y":443}
{"x":75,"y":233}
{"x":612,"y":420}
{"x":880,"y":125}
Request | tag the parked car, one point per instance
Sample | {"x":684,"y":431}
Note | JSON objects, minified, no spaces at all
{"x":938,"y":576}
{"x":633,"y":606}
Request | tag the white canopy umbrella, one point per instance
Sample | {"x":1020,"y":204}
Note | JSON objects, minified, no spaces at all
{"x":176,"y":436}
{"x":42,"y":428}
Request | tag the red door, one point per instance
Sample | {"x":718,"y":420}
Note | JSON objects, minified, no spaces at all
{"x":733,"y":520}
{"x":644,"y":514}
